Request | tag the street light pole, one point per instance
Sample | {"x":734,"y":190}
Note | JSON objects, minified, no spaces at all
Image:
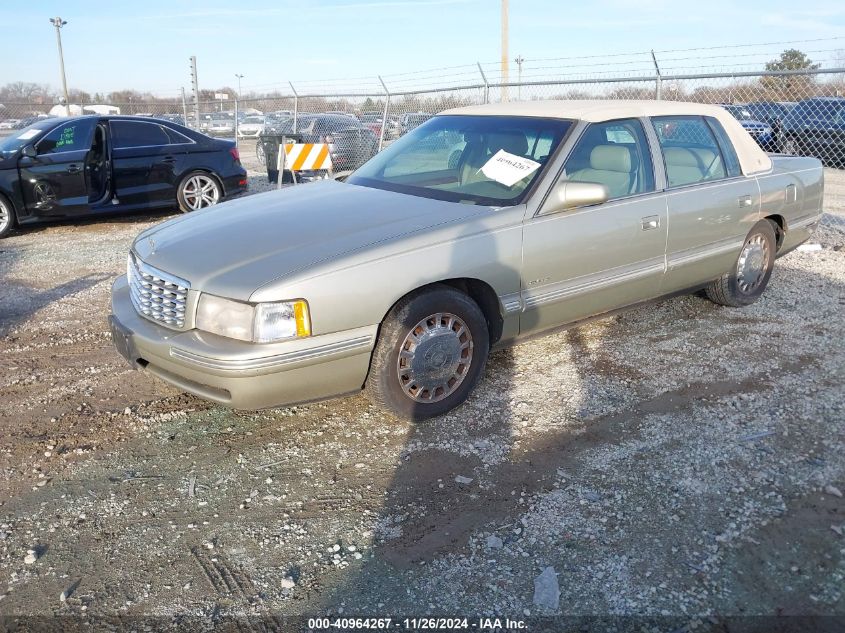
{"x":519,"y":59}
{"x":59,"y":23}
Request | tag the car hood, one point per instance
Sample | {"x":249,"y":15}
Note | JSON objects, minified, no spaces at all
{"x":235,"y":248}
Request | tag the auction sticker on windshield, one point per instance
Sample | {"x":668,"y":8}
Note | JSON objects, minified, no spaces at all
{"x":28,"y":134}
{"x":508,"y":169}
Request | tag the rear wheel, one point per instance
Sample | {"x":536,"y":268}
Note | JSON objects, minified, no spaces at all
{"x":744,"y":284}
{"x":198,"y":190}
{"x":431,"y":352}
{"x":7,"y":217}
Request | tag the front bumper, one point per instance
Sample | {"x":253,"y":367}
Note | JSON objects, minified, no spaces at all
{"x":238,"y":374}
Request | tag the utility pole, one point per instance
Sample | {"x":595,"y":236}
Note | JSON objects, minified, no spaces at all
{"x":196,"y":90}
{"x":237,"y":99}
{"x":519,"y":59}
{"x":59,"y":23}
{"x":505,"y":73}
{"x":184,"y":107}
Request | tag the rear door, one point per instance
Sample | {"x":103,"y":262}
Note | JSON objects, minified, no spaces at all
{"x":147,"y":159}
{"x":712,"y":206}
{"x":53,"y":182}
{"x":588,"y":260}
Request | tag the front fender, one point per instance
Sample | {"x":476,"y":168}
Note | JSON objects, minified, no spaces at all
{"x":359,"y":289}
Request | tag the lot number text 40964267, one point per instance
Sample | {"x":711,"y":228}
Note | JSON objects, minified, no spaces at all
{"x":416,"y":624}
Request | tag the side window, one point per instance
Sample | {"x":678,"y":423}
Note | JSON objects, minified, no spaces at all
{"x":70,"y":137}
{"x":727,"y":147}
{"x":137,"y":134}
{"x":690,"y":151}
{"x":614,"y":154}
{"x":175,"y":137}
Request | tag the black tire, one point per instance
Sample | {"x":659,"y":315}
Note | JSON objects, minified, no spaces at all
{"x":746,"y":281}
{"x":7,"y":216}
{"x":184,"y":200}
{"x":390,"y":387}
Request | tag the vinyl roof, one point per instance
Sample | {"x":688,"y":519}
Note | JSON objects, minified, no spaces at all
{"x":751,"y":157}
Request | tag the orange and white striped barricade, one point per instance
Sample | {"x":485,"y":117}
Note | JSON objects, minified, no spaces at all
{"x":304,"y":157}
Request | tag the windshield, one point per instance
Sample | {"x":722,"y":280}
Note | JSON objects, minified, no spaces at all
{"x":490,"y":160}
{"x":254,"y":119}
{"x":21,"y":137}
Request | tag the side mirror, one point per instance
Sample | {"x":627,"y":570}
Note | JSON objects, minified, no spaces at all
{"x":569,"y":194}
{"x":29,"y":151}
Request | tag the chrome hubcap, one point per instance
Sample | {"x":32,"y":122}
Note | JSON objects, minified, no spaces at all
{"x":434,"y":357}
{"x":752,"y":264}
{"x":200,"y":191}
{"x":5,"y":216}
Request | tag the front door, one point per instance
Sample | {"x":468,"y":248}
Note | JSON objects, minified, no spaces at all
{"x":588,"y":260}
{"x":53,"y":182}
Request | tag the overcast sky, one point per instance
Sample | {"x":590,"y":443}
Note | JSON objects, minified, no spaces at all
{"x":145,"y":45}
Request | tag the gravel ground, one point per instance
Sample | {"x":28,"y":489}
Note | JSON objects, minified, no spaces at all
{"x":680,"y":460}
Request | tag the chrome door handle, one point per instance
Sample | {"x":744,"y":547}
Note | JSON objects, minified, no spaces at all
{"x":744,"y":201}
{"x":650,"y":222}
{"x":73,"y":169}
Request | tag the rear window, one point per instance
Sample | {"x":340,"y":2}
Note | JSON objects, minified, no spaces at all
{"x":690,"y":151}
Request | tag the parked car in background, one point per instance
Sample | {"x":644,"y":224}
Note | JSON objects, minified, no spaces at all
{"x":350,"y":142}
{"x":373,"y":121}
{"x":251,"y":126}
{"x":410,"y":120}
{"x":400,"y":279}
{"x":71,"y":167}
{"x":220,"y":126}
{"x":173,"y":118}
{"x":816,"y":127}
{"x":771,"y":112}
{"x":9,"y":124}
{"x":759,"y":131}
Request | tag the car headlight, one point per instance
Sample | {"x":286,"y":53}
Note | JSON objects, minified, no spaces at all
{"x":253,"y":322}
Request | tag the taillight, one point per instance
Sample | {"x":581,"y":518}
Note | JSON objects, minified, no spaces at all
{"x":235,"y":154}
{"x":328,"y":138}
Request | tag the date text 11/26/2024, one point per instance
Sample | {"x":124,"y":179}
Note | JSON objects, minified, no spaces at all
{"x":416,"y":624}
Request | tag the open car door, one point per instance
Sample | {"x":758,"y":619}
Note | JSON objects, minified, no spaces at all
{"x":53,"y":179}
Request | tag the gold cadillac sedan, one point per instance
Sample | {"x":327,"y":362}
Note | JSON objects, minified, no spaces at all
{"x":482,"y":225}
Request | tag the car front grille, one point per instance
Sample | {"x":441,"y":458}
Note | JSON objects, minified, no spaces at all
{"x":157,"y":295}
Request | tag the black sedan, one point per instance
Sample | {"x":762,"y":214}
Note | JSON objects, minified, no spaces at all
{"x":70,"y":167}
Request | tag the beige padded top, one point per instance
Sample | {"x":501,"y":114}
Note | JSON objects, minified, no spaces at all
{"x":752,"y":159}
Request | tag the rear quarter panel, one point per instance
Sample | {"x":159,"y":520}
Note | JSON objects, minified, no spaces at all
{"x":794,"y":190}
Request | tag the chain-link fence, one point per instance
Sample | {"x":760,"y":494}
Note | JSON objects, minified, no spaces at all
{"x":797,"y":112}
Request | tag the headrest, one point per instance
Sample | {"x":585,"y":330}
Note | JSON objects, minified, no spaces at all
{"x":611,"y":158}
{"x":512,"y":141}
{"x":680,"y":157}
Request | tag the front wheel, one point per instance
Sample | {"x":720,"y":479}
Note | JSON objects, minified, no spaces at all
{"x":7,"y":217}
{"x":198,"y":190}
{"x":431,"y":352}
{"x":744,"y":284}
